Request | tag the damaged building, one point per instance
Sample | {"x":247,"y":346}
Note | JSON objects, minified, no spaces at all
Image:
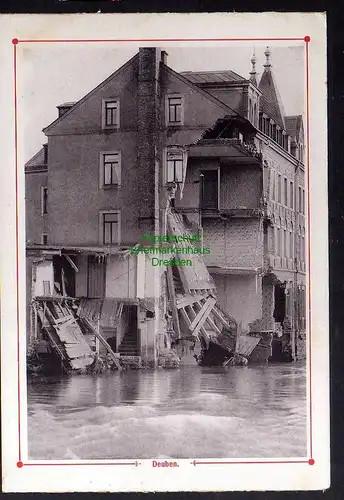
{"x":153,"y":151}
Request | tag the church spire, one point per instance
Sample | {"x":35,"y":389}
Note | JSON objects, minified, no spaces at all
{"x":270,"y":102}
{"x":253,"y":72}
{"x":267,"y":54}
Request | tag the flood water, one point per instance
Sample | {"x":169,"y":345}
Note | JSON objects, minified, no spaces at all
{"x":253,"y":411}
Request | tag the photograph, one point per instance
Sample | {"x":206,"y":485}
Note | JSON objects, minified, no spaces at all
{"x":165,"y":248}
{"x":164,"y":257}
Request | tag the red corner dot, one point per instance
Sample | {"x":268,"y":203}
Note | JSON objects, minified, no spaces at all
{"x":307,"y":39}
{"x":20,"y":464}
{"x":311,"y":461}
{"x":15,"y":41}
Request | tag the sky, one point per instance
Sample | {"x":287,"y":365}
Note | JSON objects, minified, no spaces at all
{"x":49,"y":75}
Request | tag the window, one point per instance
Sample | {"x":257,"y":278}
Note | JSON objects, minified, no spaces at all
{"x":303,"y":201}
{"x":174,"y":164}
{"x":209,"y":189}
{"x":44,"y":239}
{"x":274,"y":132}
{"x":300,"y":200}
{"x":277,"y":241}
{"x":273,"y":190}
{"x":291,"y":195}
{"x":110,"y":227}
{"x":110,"y":164}
{"x":285,"y":192}
{"x":280,"y":249}
{"x":110,"y":113}
{"x":285,"y":243}
{"x":279,"y":188}
{"x":46,"y":288}
{"x":44,"y":200}
{"x":291,"y":249}
{"x":174,"y":110}
{"x":261,"y":122}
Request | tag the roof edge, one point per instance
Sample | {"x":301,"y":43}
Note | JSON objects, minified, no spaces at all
{"x":89,"y":94}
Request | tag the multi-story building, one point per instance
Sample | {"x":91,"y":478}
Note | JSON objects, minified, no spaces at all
{"x":104,"y":179}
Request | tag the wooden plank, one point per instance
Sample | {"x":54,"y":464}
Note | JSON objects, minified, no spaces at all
{"x":212,"y":325}
{"x":64,"y":319}
{"x":105,"y":344}
{"x":72,"y":263}
{"x":247,"y":344}
{"x":219,"y":316}
{"x":237,"y":338}
{"x":172,"y":295}
{"x":205,"y":310}
{"x":193,"y":316}
{"x":209,"y":320}
{"x":188,"y":300}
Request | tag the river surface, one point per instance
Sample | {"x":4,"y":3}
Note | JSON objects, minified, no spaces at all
{"x":192,"y":412}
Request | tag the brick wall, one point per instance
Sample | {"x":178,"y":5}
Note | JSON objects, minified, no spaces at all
{"x":234,"y":242}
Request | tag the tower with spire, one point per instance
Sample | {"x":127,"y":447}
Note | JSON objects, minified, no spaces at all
{"x":253,"y":72}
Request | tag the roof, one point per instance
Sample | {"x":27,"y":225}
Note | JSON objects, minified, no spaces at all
{"x":270,"y":101}
{"x":38,"y":160}
{"x":206,"y":77}
{"x":89,"y":94}
{"x":183,"y":137}
{"x":293,"y":125}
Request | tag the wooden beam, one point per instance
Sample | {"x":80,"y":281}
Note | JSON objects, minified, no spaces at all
{"x":72,"y":263}
{"x":193,"y":315}
{"x":219,"y":316}
{"x":172,"y":295}
{"x":188,"y":300}
{"x":105,"y":344}
{"x":205,"y":311}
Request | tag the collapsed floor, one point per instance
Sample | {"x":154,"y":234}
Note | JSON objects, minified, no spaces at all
{"x":80,"y":335}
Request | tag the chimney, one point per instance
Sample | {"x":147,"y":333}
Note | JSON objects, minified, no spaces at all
{"x":148,"y":99}
{"x":63,"y":108}
{"x":164,"y":55}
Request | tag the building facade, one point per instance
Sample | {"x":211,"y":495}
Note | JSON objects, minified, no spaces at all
{"x":109,"y":172}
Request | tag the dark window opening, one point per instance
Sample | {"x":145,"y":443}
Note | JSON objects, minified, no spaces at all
{"x":44,"y":200}
{"x":64,"y":276}
{"x":209,"y":189}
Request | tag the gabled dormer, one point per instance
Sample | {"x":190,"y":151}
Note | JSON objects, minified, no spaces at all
{"x":294,"y":126}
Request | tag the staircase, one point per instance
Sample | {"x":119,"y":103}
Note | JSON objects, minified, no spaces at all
{"x":128,"y":346}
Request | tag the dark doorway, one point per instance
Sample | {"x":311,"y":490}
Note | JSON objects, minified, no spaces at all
{"x":279,"y":312}
{"x":209,"y":189}
{"x":277,"y":351}
{"x":64,"y":275}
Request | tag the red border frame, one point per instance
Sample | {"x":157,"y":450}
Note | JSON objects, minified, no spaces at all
{"x":15,"y":42}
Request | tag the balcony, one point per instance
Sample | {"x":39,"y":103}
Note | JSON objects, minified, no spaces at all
{"x":233,"y":150}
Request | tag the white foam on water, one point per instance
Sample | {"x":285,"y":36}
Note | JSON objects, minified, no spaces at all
{"x":139,"y":432}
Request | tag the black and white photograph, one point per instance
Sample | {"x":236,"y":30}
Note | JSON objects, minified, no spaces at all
{"x":166,"y":262}
{"x":168,"y":234}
